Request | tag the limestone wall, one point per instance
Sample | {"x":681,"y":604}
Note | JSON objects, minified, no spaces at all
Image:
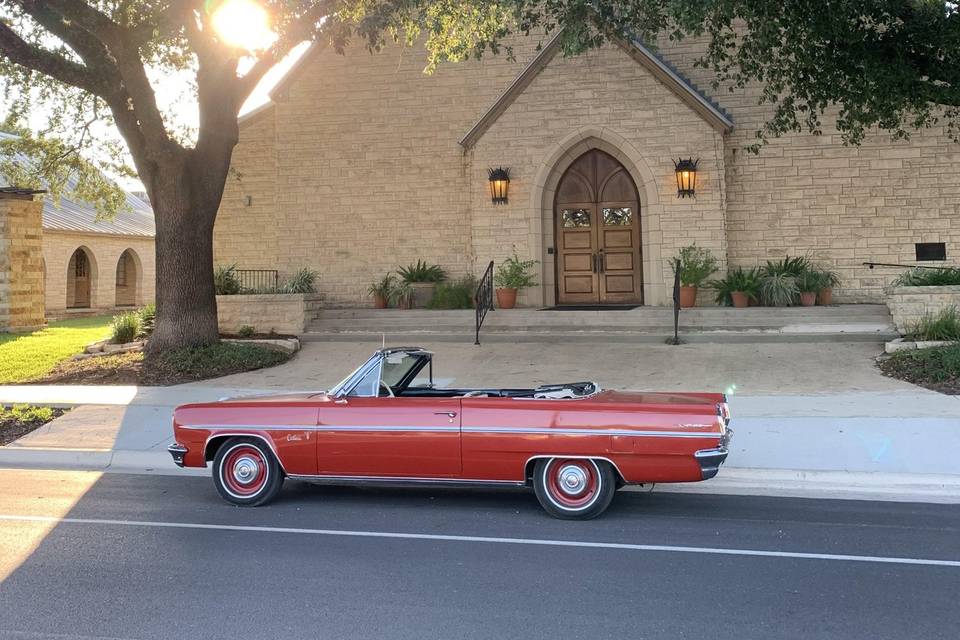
{"x":21,"y":263}
{"x":103,"y":254}
{"x":283,"y":313}
{"x":909,"y":304}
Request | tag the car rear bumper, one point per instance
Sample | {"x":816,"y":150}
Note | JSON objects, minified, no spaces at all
{"x":178,"y":451}
{"x":711,"y":459}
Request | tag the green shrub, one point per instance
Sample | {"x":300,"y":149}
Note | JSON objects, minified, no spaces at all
{"x":148,"y":319}
{"x":401,"y":295}
{"x":246,"y":331}
{"x":828,"y":278}
{"x":944,"y":325}
{"x":454,"y":295}
{"x":225,"y":280}
{"x":125,"y":327}
{"x":422,"y":272}
{"x":928,"y":277}
{"x":514,"y":273}
{"x":26,"y":413}
{"x":301,"y":282}
{"x":779,"y":290}
{"x":695,"y":264}
{"x":739,"y":279}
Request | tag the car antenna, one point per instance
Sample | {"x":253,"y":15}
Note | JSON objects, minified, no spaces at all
{"x":383,"y":340}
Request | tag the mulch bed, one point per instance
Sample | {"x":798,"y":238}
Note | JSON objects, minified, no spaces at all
{"x":12,"y":428}
{"x":188,"y":365}
{"x":934,"y":370}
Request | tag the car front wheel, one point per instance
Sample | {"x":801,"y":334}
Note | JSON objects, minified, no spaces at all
{"x":246,"y":473}
{"x":574,"y":488}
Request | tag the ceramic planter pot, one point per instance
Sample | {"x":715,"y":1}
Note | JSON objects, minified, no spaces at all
{"x":808,"y":298}
{"x":825,"y":296}
{"x":688,"y":297}
{"x":506,"y":298}
{"x":740,"y":299}
{"x":379,"y":302}
{"x":422,"y":294}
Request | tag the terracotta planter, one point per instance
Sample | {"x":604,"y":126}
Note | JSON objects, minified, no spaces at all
{"x":422,"y":294}
{"x":808,"y":298}
{"x":825,"y":296}
{"x":379,"y":302}
{"x":506,"y":298}
{"x":688,"y":297}
{"x":740,"y":299}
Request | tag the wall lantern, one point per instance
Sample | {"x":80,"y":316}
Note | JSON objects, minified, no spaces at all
{"x":499,"y":184}
{"x":686,"y":177}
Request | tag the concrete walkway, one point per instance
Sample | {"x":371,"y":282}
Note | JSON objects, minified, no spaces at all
{"x":802,"y":413}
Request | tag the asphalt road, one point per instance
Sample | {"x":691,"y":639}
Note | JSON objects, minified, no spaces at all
{"x":125,"y":556}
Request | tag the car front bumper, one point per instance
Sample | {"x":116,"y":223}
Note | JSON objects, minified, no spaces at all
{"x":178,"y":451}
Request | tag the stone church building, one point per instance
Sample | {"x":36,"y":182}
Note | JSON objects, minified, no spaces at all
{"x":362,"y":163}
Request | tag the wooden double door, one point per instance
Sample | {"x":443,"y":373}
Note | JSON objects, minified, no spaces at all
{"x":597,"y":231}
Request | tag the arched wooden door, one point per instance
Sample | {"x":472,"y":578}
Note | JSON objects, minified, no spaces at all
{"x":597,"y":231}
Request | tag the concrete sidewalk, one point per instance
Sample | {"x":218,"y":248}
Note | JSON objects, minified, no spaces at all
{"x":888,"y":436}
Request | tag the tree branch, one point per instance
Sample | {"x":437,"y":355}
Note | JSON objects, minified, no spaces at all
{"x":18,"y":51}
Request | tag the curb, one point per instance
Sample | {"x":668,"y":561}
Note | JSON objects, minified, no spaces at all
{"x":783,"y":483}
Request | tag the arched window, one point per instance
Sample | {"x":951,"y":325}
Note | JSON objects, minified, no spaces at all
{"x":128,"y":279}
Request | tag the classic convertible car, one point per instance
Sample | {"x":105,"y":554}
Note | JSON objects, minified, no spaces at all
{"x":388,"y":423}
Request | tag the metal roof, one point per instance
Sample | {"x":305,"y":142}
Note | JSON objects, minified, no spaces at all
{"x":70,"y":214}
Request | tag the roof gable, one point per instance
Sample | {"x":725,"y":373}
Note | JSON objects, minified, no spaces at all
{"x":670,"y":77}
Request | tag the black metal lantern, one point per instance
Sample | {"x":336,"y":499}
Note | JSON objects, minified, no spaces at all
{"x":686,"y":177}
{"x":499,"y":184}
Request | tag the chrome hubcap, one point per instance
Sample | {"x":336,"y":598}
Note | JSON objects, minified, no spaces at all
{"x":573,"y":480}
{"x":246,"y":470}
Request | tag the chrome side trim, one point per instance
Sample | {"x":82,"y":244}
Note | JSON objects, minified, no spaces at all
{"x":547,"y":431}
{"x":599,"y":432}
{"x":395,"y":480}
{"x":242,"y":434}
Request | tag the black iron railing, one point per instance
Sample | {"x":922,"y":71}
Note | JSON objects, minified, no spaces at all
{"x":483,"y":301}
{"x":258,"y":279}
{"x":676,"y":307}
{"x":905,"y":266}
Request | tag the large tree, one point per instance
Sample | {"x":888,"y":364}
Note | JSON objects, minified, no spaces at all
{"x":892,"y":64}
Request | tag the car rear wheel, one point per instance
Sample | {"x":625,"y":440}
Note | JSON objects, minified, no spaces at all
{"x":246,"y":473}
{"x":574,"y":488}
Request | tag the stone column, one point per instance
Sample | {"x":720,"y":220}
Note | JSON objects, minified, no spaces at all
{"x":21,"y":260}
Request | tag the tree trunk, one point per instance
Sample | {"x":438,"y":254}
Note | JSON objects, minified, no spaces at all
{"x":184,"y":209}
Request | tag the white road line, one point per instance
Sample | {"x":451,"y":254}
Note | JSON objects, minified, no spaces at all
{"x":487,"y":539}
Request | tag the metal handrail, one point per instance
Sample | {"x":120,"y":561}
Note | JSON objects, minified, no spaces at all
{"x":483,"y":300}
{"x":905,"y":266}
{"x":676,"y":306}
{"x":258,"y":279}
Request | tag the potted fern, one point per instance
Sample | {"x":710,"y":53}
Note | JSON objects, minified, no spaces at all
{"x":423,"y":279}
{"x":694,"y":264}
{"x":809,"y":283}
{"x":829,"y":280}
{"x":738,"y":288}
{"x":512,"y":275}
{"x":381,"y":290}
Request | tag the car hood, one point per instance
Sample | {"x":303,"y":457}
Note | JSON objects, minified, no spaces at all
{"x":280,"y":397}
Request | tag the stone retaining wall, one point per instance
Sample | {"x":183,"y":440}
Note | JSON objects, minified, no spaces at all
{"x":284,"y":313}
{"x":909,"y":304}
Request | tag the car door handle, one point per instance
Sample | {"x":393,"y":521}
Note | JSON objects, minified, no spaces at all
{"x":449,"y":414}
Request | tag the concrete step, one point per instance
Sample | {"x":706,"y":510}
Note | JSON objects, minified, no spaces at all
{"x":627,"y":337}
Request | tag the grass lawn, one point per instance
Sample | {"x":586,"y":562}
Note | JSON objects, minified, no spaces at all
{"x":27,"y":356}
{"x":937,"y":368}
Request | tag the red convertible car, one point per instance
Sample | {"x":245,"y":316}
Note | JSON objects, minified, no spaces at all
{"x":388,"y":423}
